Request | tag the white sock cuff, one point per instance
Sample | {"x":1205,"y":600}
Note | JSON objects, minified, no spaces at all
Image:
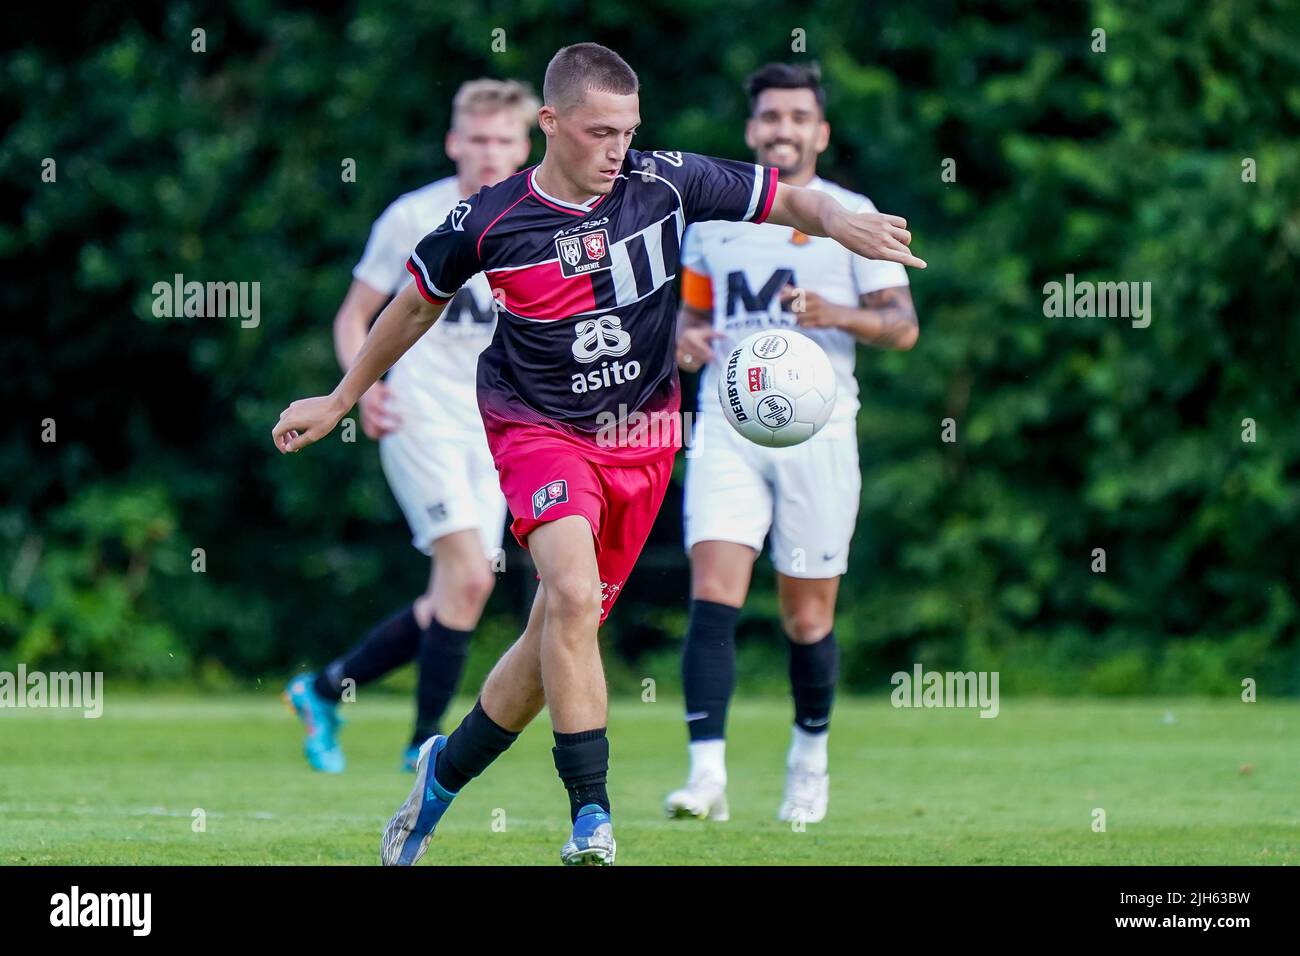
{"x":709,"y":756}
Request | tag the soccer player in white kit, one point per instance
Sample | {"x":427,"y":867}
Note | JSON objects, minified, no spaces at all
{"x":426,"y":420}
{"x":738,"y":278}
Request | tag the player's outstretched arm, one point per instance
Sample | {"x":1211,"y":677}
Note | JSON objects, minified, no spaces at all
{"x":872,"y":235}
{"x":398,"y":327}
{"x":351,"y":324}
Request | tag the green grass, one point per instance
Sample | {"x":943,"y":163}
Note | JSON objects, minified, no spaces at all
{"x":1181,"y":782}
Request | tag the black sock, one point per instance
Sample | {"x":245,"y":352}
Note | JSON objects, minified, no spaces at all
{"x":387,"y":647}
{"x":471,"y":747}
{"x":442,"y":659}
{"x":813,"y":670}
{"x":709,"y":668}
{"x":582,"y":760}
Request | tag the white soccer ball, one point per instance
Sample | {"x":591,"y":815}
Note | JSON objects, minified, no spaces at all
{"x":777,"y":388}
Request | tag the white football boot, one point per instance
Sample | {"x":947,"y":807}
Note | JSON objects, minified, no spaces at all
{"x":806,"y":795}
{"x":704,"y":798}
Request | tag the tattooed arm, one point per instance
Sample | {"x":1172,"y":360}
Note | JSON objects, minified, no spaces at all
{"x":885,"y":318}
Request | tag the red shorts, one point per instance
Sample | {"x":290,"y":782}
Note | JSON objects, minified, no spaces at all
{"x":547,"y":478}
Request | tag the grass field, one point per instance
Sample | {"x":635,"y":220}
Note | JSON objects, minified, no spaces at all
{"x":1181,"y":782}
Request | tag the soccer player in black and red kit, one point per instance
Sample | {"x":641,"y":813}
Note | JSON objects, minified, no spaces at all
{"x":580,"y":252}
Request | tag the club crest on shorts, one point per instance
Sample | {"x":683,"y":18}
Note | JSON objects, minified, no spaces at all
{"x":582,"y":254}
{"x":551,"y":493}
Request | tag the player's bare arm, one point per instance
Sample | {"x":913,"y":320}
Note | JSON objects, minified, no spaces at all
{"x":351,"y":323}
{"x":884,"y":319}
{"x":872,"y":235}
{"x":695,"y":337}
{"x":398,"y":327}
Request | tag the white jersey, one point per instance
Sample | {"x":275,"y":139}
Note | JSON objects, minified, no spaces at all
{"x":434,"y":381}
{"x":748,"y":264}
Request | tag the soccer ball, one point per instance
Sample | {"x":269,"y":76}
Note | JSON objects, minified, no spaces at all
{"x":777,"y":388}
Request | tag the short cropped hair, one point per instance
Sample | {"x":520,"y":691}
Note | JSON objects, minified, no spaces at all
{"x":585,"y":66}
{"x":486,"y":96}
{"x":786,"y":76}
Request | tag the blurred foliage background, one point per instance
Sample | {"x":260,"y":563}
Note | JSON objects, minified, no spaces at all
{"x":1072,"y":433}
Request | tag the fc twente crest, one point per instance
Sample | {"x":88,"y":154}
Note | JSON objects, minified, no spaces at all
{"x":594,"y":243}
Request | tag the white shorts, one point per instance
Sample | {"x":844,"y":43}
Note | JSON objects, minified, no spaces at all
{"x":806,"y":495}
{"x":444,"y":484}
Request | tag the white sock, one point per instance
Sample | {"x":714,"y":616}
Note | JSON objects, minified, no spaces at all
{"x":709,"y":758}
{"x":808,"y":751}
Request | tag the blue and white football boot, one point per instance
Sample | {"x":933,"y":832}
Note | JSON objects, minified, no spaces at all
{"x":408,"y":833}
{"x":592,"y":843}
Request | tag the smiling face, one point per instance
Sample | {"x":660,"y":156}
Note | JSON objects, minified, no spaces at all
{"x":487,"y":147}
{"x":588,"y":141}
{"x":787,"y":131}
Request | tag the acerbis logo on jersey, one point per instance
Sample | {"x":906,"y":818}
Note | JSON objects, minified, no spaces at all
{"x":582,"y":254}
{"x":595,"y":338}
{"x":551,"y":493}
{"x":458,"y":215}
{"x":589,"y":224}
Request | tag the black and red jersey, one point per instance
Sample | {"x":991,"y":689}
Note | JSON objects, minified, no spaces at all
{"x":586,"y":324}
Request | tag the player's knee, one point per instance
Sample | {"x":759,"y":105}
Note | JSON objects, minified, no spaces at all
{"x":573,"y":598}
{"x":719,"y":587}
{"x":477,"y":586}
{"x":807,"y":625}
{"x":464,"y":586}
